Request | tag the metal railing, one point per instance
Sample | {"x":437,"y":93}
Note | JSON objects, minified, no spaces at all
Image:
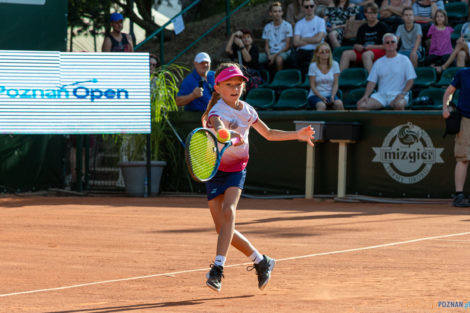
{"x":226,"y":19}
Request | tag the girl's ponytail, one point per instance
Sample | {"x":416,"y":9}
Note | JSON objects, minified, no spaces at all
{"x":215,"y":97}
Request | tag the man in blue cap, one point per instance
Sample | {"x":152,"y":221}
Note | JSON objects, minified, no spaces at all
{"x":196,"y":89}
{"x":116,"y":40}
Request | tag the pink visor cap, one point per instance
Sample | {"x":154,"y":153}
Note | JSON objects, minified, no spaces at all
{"x":229,"y":72}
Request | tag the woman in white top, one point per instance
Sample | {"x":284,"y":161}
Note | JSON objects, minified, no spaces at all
{"x":324,"y":76}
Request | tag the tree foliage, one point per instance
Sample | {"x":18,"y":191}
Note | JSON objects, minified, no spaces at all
{"x":144,"y":9}
{"x":88,"y":17}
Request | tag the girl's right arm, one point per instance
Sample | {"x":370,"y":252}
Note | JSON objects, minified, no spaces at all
{"x":217,"y":124}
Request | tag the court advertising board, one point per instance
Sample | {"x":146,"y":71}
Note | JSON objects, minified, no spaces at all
{"x":51,"y":92}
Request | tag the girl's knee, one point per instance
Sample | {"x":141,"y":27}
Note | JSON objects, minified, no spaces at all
{"x":228,"y":212}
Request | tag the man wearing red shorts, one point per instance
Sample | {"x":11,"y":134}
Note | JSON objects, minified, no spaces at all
{"x":368,"y":46}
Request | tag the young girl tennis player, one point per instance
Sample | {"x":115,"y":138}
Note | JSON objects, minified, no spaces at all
{"x":226,"y":111}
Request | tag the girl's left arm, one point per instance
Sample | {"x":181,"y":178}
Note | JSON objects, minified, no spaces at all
{"x":305,"y":134}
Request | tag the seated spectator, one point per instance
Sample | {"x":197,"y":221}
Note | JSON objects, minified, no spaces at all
{"x":324,"y":76}
{"x":295,"y":12}
{"x":441,"y":44}
{"x":424,"y":11}
{"x":410,"y":35}
{"x":461,"y":51}
{"x":154,"y":62}
{"x":277,"y":35}
{"x":336,"y":16}
{"x":394,"y":75}
{"x":196,"y":88}
{"x":308,"y":33}
{"x":391,"y":12}
{"x":368,"y":46}
{"x":322,"y":5}
{"x":240,"y":49}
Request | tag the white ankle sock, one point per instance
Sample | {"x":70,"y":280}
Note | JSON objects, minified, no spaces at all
{"x":256,"y":257}
{"x":219,"y":260}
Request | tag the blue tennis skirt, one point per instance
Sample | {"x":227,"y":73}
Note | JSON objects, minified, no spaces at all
{"x":223,"y":180}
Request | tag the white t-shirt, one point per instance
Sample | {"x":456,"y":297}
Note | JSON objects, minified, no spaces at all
{"x":304,"y":28}
{"x":276,"y":35}
{"x":392,"y":73}
{"x":323,"y":82}
{"x":234,"y":158}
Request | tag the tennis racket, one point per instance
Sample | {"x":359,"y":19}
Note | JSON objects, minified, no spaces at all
{"x":203,"y":155}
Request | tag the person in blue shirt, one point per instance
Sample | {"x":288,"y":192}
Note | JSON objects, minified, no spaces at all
{"x":196,"y":88}
{"x":462,"y":139}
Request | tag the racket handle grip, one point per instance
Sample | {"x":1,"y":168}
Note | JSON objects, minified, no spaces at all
{"x":235,"y":140}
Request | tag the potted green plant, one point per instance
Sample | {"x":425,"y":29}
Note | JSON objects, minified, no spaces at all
{"x":133,"y":148}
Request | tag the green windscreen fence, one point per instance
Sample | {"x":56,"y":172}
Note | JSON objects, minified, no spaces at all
{"x":32,"y":162}
{"x":33,"y":25}
{"x":398,"y":154}
{"x":29,"y":163}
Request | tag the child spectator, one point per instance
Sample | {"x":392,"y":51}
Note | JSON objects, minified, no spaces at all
{"x":368,"y":46}
{"x":277,"y":35}
{"x":461,"y":51}
{"x":410,"y":35}
{"x":441,"y":45}
{"x":324,"y":76}
{"x":424,"y":11}
{"x":336,"y":16}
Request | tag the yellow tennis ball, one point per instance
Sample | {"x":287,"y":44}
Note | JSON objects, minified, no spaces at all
{"x":223,"y":135}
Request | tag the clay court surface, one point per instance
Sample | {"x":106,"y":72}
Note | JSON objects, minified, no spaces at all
{"x":118,"y":254}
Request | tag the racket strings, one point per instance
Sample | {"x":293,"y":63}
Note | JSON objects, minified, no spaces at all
{"x":203,"y":155}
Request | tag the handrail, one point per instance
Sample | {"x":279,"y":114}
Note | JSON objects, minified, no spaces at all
{"x":210,"y":30}
{"x":166,"y":24}
{"x":225,"y":18}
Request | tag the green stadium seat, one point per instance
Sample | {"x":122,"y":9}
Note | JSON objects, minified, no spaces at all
{"x":350,"y":100}
{"x":286,"y":78}
{"x":261,"y":98}
{"x":353,"y":77}
{"x":337,"y":52}
{"x":434,"y":94}
{"x":457,"y":12}
{"x":265,"y":76}
{"x":292,"y":98}
{"x":456,"y":33}
{"x":426,"y":76}
{"x":340,"y":94}
{"x":447,"y":76}
{"x":306,"y":83}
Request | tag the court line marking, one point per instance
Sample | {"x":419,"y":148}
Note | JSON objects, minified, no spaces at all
{"x":235,"y":265}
